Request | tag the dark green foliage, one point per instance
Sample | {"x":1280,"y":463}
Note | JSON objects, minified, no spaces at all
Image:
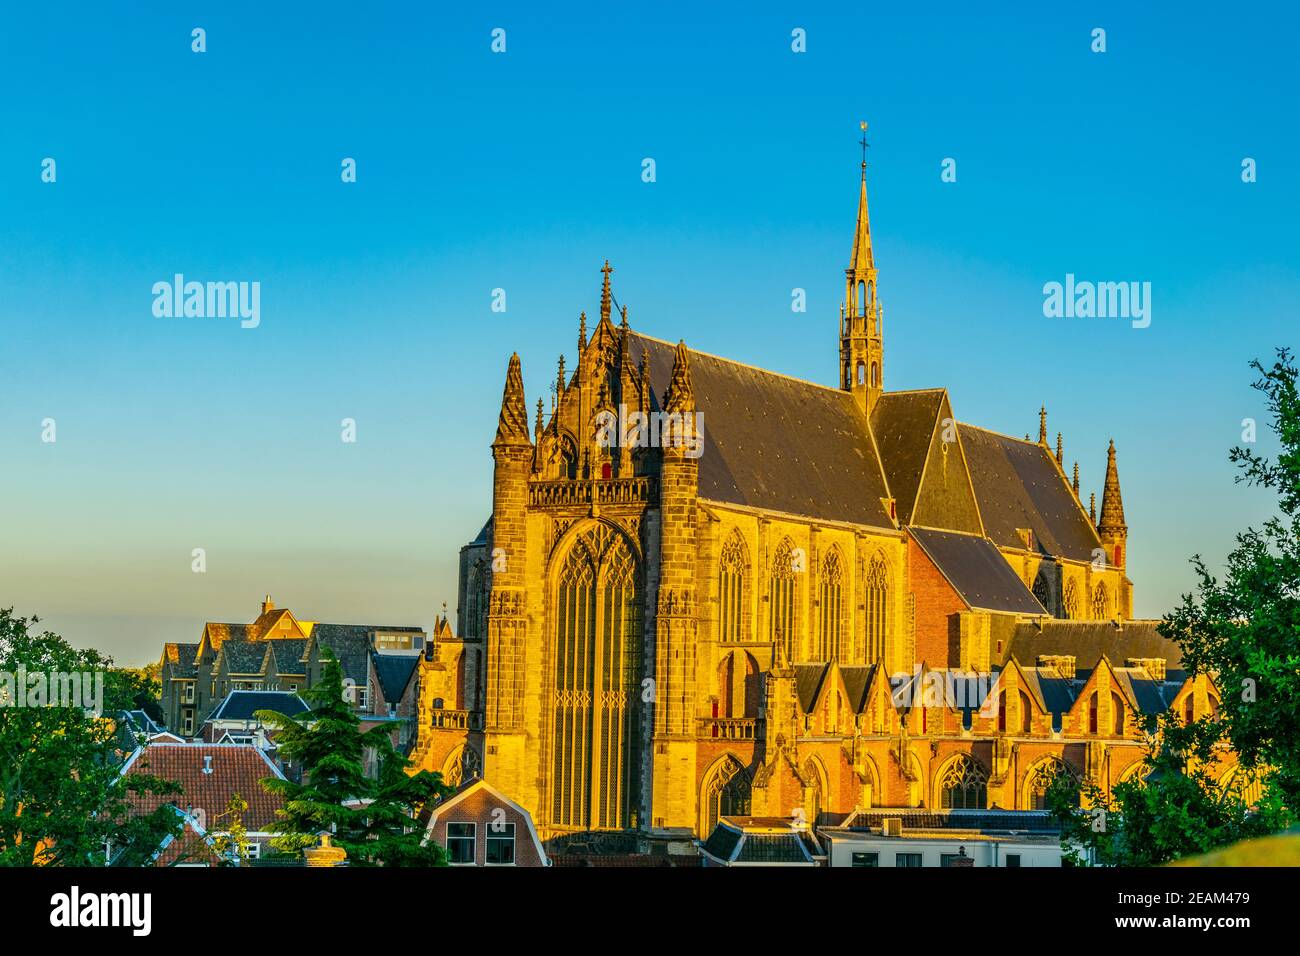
{"x":372,"y":819}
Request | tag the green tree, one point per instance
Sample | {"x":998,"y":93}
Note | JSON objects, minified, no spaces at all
{"x":1245,"y":630}
{"x":1173,"y":808}
{"x":372,"y":819}
{"x":62,"y":796}
{"x":232,"y":844}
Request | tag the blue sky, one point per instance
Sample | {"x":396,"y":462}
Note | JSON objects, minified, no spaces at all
{"x":522,"y":171}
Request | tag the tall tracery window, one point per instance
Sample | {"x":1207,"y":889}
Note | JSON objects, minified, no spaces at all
{"x":1041,"y":779}
{"x":727,"y":793}
{"x":830,"y":605}
{"x":781,"y":593}
{"x":477,"y":589}
{"x":1070,"y":602}
{"x":877,"y":597}
{"x":731,"y":590}
{"x":1099,"y":602}
{"x":965,"y":786}
{"x":596,"y":683}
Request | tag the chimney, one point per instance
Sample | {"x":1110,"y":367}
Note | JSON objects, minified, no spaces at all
{"x":267,"y":606}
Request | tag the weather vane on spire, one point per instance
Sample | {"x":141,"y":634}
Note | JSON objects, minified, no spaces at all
{"x":863,"y":141}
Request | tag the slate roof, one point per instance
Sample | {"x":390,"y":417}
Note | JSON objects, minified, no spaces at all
{"x":1088,"y":641}
{"x":1018,"y":485}
{"x":218,"y":634}
{"x":243,"y":657}
{"x":775,"y":442}
{"x":903,"y":424}
{"x":351,"y":645}
{"x":182,"y":658}
{"x":288,"y":654}
{"x":236,"y":768}
{"x":394,"y":672}
{"x":243,"y":704}
{"x":857,"y":679}
{"x":808,"y":681}
{"x":977,"y":571}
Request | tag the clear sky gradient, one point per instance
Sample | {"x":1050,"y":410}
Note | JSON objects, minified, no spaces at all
{"x":522,"y":171}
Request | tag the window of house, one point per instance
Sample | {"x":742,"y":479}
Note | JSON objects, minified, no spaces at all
{"x":1013,"y":860}
{"x":189,"y":694}
{"x":907,"y":859}
{"x":189,"y":724}
{"x":363,"y":698}
{"x":460,"y":842}
{"x":948,"y":859}
{"x":501,"y":844}
{"x":254,"y":851}
{"x":865,"y":859}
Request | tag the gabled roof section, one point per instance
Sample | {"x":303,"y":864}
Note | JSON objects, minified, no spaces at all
{"x":1019,"y":485}
{"x":977,"y":571}
{"x":288,"y":654}
{"x":242,"y":657}
{"x":903,"y":424}
{"x":857,"y":684}
{"x":394,"y":672}
{"x":775,"y":442}
{"x":809,"y":680}
{"x":244,"y":704}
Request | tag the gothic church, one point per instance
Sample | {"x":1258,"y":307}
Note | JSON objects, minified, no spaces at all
{"x":650,"y":637}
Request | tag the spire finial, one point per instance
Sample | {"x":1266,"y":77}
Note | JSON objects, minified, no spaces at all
{"x":864,"y":143}
{"x":1042,"y":425}
{"x":623,"y":324}
{"x":1060,"y":451}
{"x":1112,"y":505}
{"x":1076,"y":479}
{"x":604,"y":293}
{"x":559,"y":378}
{"x":582,"y":332}
{"x":539,"y":421}
{"x":1092,"y":507}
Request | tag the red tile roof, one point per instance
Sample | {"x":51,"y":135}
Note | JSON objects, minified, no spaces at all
{"x":236,"y":768}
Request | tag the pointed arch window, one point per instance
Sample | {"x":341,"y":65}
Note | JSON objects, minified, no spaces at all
{"x":731,"y":590}
{"x":1043,"y":592}
{"x":463,"y":765}
{"x":1026,"y":714}
{"x":830,"y":605}
{"x":964,"y":786}
{"x":876,"y":603}
{"x":1070,"y":602}
{"x":727,"y":794}
{"x":782,"y":592}
{"x":1041,"y":779}
{"x":1100,"y":604}
{"x":596,"y":683}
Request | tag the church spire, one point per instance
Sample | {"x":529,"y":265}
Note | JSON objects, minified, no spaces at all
{"x":512,"y":427}
{"x":1112,"y":506}
{"x":861,"y":348}
{"x":1111,"y":529}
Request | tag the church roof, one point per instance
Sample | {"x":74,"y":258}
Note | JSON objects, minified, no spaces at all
{"x":1089,"y":641}
{"x":903,"y":423}
{"x":775,"y":442}
{"x":1018,"y":485}
{"x":977,"y":571}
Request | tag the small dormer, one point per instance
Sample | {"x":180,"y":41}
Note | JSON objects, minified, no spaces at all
{"x":1063,"y":664}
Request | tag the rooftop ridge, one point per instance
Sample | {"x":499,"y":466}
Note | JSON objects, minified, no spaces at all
{"x":752,"y":368}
